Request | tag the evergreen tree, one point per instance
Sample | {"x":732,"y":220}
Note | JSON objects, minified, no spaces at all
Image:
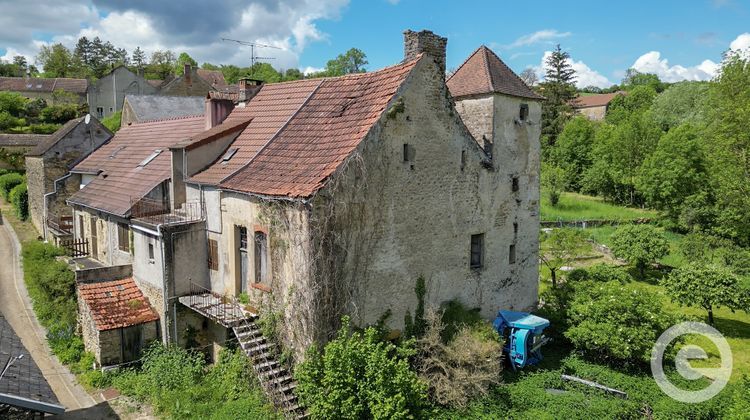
{"x":559,"y":89}
{"x":139,"y":58}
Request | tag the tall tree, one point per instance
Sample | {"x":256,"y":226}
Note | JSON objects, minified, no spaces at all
{"x":559,"y":248}
{"x":559,"y":89}
{"x":352,"y":61}
{"x":184,"y":58}
{"x":162,"y":64}
{"x":528,"y":75}
{"x":57,"y":61}
{"x":634,"y":78}
{"x":139,"y":58}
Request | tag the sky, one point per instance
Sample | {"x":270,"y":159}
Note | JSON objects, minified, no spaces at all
{"x":678,"y":40}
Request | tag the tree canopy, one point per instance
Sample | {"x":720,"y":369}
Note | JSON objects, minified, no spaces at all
{"x":559,"y":89}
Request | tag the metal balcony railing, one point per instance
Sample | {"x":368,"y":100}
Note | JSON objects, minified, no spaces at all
{"x":158,"y":212}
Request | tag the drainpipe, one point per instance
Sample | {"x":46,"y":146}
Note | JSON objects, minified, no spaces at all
{"x":46,"y":196}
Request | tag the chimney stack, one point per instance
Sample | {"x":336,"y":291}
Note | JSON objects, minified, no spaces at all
{"x":247,"y":88}
{"x":217,"y":111}
{"x":188,"y":73}
{"x":426,"y":42}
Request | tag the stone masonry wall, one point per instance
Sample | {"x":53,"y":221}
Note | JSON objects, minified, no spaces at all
{"x":88,"y":330}
{"x":428,"y":43}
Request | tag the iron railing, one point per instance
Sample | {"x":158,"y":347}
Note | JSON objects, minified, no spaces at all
{"x":62,"y":224}
{"x":158,"y":212}
{"x":225,"y":310}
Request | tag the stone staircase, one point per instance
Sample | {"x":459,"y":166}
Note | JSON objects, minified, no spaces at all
{"x":274,"y":377}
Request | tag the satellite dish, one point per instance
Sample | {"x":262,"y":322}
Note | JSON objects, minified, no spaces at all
{"x":87,"y":119}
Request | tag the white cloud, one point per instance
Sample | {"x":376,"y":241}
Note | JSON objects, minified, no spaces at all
{"x":741,"y":44}
{"x":585,"y":76}
{"x":544,"y":36}
{"x":652,"y":62}
{"x":193,"y":26}
{"x":309,"y":70}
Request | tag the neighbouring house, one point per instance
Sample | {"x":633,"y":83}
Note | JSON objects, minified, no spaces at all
{"x":139,"y":108}
{"x":43,"y":88}
{"x":117,"y":321}
{"x":594,"y":107}
{"x":332,"y":196}
{"x":106,"y":95}
{"x":47,"y":167}
{"x":195,"y":82}
{"x":13,"y":148}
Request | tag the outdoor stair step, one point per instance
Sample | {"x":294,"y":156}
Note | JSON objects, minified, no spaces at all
{"x":249,"y":334}
{"x":272,"y":372}
{"x":244,"y":326}
{"x":259,"y":349}
{"x":280,"y":380}
{"x":286,"y":388}
{"x":266,"y":365}
{"x":257,"y":340}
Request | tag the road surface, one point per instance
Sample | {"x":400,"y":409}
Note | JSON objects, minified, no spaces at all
{"x":15,"y":306}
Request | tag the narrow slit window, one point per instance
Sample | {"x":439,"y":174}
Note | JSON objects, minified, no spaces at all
{"x":523,"y":114}
{"x":150,"y":157}
{"x":463,"y":159}
{"x":151,"y":252}
{"x":476,"y":257}
{"x":261,"y":257}
{"x":512,"y":254}
{"x":515,"y":185}
{"x":515,"y":231}
{"x":406,"y":153}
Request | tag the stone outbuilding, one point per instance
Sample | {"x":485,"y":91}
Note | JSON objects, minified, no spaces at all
{"x":117,"y":321}
{"x":47,"y":168}
{"x":594,"y":107}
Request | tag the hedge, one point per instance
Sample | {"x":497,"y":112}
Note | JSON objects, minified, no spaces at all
{"x":19,"y":197}
{"x":8,"y":182}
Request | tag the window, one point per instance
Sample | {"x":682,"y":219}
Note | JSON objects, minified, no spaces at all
{"x":99,"y":112}
{"x":213,"y":255}
{"x":476,"y":259}
{"x":150,"y":157}
{"x":123,"y":237}
{"x":512,"y":254}
{"x":150,"y":252}
{"x":228,"y":155}
{"x":409,"y":153}
{"x":524,"y":112}
{"x":515,"y":185}
{"x":243,"y":237}
{"x":261,"y":257}
{"x":463,"y":159}
{"x":515,"y":231}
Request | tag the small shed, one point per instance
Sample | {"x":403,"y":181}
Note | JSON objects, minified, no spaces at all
{"x":117,"y":321}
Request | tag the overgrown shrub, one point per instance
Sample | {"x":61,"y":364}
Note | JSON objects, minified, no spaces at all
{"x":44,"y":128}
{"x":360,"y":377}
{"x":8,"y":182}
{"x":59,"y":114}
{"x":616,"y":323}
{"x":599,"y":273}
{"x":463,"y":369}
{"x":639,"y":245}
{"x":454,"y":316}
{"x":19,"y":197}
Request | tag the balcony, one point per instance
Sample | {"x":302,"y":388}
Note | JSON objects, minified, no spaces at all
{"x":158,"y":212}
{"x":62,"y":225}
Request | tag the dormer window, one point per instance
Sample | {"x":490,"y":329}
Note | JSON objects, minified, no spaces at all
{"x":523,"y":114}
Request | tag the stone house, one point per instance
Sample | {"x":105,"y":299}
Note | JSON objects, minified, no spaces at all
{"x":140,"y":108}
{"x":333,"y":196}
{"x":594,"y":107}
{"x":47,"y":167}
{"x":106,"y":95}
{"x":44,"y":88}
{"x":117,"y":321}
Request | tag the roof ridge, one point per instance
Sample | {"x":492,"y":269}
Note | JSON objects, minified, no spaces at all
{"x":465,"y":61}
{"x":486,"y":67}
{"x":275,"y":135}
{"x":513,"y":73}
{"x":181,"y":117}
{"x":356,"y":75}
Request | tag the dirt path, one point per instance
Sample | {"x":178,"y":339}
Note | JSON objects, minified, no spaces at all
{"x":16,"y":307}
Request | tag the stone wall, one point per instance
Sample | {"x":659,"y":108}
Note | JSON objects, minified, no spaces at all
{"x":477,"y":114}
{"x":88,"y":330}
{"x":594,"y":113}
{"x":428,"y":43}
{"x":36,"y":189}
{"x":104,"y":273}
{"x":108,"y":93}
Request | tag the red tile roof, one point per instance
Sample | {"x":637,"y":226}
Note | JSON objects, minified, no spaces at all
{"x":116,"y":304}
{"x":122,"y":181}
{"x":484,"y":72}
{"x":39,"y":84}
{"x":214,"y":77}
{"x":595,"y":100}
{"x":313,"y":127}
{"x":273,"y":106}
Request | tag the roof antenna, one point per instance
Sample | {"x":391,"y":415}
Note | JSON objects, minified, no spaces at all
{"x":253,"y":58}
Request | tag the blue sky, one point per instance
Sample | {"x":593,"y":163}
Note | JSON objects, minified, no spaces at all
{"x":676,"y":39}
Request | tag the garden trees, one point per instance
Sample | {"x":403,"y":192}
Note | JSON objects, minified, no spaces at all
{"x":58,"y":61}
{"x":634,"y":78}
{"x":559,"y":248}
{"x":352,"y":61}
{"x":639,"y":245}
{"x":559,"y":89}
{"x":682,"y":102}
{"x":359,"y":376}
{"x":553,"y":182}
{"x":675,"y":171}
{"x":708,"y":286}
{"x":616,"y":323}
{"x":572,"y":151}
{"x":179,"y":66}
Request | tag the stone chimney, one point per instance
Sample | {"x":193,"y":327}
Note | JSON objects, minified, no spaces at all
{"x":247,"y":88}
{"x":188,"y":73}
{"x":217,"y":111}
{"x":425,"y":42}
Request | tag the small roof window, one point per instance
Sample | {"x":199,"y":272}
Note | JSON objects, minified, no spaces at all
{"x":150,"y":157}
{"x":116,"y":151}
{"x":228,"y":155}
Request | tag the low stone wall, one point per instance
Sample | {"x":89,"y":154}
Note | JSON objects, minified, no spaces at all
{"x":93,"y":275}
{"x":592,"y":223}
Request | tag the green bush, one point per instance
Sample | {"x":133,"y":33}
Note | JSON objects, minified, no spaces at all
{"x":616,"y":323}
{"x":599,"y":273}
{"x":639,"y":245}
{"x":358,"y":376}
{"x":113,"y":121}
{"x":12,"y":103}
{"x":8,"y":182}
{"x":44,"y":128}
{"x":19,"y":197}
{"x":8,"y":121}
{"x":59,"y":114}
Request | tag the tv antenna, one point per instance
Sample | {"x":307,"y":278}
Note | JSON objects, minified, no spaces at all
{"x":253,"y":45}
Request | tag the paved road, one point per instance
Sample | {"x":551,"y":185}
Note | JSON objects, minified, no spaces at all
{"x":16,"y":307}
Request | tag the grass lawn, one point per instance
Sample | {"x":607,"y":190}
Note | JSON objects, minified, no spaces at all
{"x":574,"y":207}
{"x":602,"y":235}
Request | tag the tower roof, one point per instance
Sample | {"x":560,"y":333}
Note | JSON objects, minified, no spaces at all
{"x":484,"y":72}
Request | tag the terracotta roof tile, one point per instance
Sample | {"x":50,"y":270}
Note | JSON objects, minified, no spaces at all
{"x":116,"y":304}
{"x":484,"y":72}
{"x":122,"y":180}
{"x":40,"y":84}
{"x":214,"y":77}
{"x":595,"y":100}
{"x":321,"y":134}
